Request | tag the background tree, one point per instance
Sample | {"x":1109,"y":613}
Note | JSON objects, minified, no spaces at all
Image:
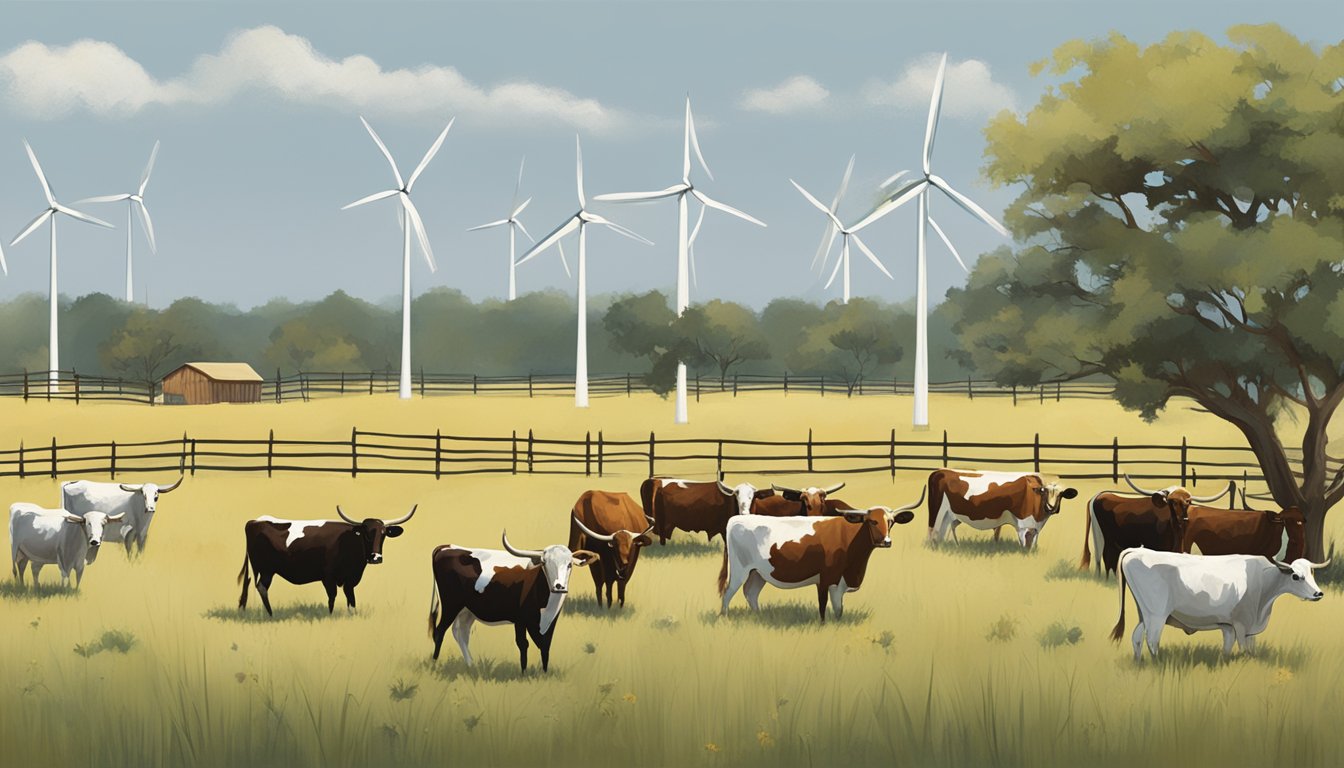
{"x":721,"y":334}
{"x":1183,"y":210}
{"x":145,"y":348}
{"x":641,"y":325}
{"x":851,"y":342}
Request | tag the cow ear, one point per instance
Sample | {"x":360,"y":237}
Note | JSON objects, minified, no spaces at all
{"x":1069,"y":493}
{"x":394,"y":530}
{"x":855,"y":515}
{"x":1159,"y":499}
{"x":902,"y":518}
{"x":792,"y":496}
{"x":643,"y":540}
{"x":583,"y":557}
{"x":765,"y":494}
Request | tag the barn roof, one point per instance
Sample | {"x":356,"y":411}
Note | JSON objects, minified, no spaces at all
{"x":223,"y":371}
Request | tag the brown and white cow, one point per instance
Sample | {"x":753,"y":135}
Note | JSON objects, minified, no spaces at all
{"x":522,"y":587}
{"x":303,"y":551}
{"x":1154,"y":520}
{"x":695,"y":505}
{"x":613,"y":526}
{"x":987,"y":500}
{"x":791,"y":552}
{"x":1279,"y":535}
{"x":808,"y":502}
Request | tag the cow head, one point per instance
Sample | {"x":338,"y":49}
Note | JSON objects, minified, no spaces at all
{"x":93,"y":523}
{"x":812,"y":498}
{"x":1050,"y":496}
{"x":876,"y":523}
{"x":1294,"y":528}
{"x":1178,"y":501}
{"x":623,"y":544}
{"x":149,"y":492}
{"x":371,"y":531}
{"x":743,"y":494}
{"x":1300,"y":581}
{"x":556,"y":562}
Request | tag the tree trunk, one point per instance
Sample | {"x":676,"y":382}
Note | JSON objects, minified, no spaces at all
{"x":1314,"y":532}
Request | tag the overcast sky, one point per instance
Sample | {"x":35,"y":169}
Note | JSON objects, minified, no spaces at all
{"x":258,"y":106}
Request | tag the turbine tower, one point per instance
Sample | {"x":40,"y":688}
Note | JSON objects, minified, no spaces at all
{"x":580,"y":221}
{"x":920,"y":188}
{"x":515,"y":224}
{"x":847,"y":234}
{"x":680,"y":191}
{"x":410,"y":219}
{"x":53,"y":208}
{"x":135,"y":201}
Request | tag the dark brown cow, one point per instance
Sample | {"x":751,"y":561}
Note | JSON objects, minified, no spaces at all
{"x":988,"y":500}
{"x":304,"y":551}
{"x":1246,"y":532}
{"x":695,"y":505}
{"x":522,"y":587}
{"x":1154,"y":520}
{"x":798,"y":501}
{"x":615,"y":527}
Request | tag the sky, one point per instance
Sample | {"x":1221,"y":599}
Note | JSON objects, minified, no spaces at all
{"x":257,"y":106}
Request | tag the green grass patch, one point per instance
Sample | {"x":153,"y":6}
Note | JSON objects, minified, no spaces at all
{"x":112,"y":641}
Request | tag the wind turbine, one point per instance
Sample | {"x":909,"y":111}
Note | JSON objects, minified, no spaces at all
{"x":53,"y":208}
{"x":407,"y":214}
{"x":515,"y":224}
{"x":580,"y":221}
{"x":920,"y":188}
{"x":680,"y":191}
{"x":135,"y":201}
{"x":847,"y":234}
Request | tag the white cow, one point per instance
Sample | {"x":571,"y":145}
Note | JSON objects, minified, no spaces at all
{"x":1230,"y":593}
{"x":54,"y":537}
{"x":136,"y":502}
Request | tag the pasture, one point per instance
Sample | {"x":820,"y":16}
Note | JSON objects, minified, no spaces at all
{"x":972,"y":654}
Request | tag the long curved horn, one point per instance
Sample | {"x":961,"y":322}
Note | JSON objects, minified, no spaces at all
{"x":1137,"y":489}
{"x":648,"y":530}
{"x":832,"y":489}
{"x":1314,"y":566}
{"x":650,"y":521}
{"x":408,"y":516}
{"x":130,"y":488}
{"x":727,"y":490}
{"x":343,"y":517}
{"x":117,"y":518}
{"x":923,"y":491}
{"x":532,"y":554}
{"x":784,"y":489}
{"x":590,"y":533}
{"x":171,"y":488}
{"x":1231,"y":488}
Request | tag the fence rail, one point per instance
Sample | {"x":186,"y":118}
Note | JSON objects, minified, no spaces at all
{"x":70,"y":385}
{"x":438,"y":454}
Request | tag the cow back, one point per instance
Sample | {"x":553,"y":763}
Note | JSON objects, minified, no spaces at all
{"x":1232,"y":532}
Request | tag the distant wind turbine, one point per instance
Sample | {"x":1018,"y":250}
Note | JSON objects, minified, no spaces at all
{"x":53,"y":208}
{"x":135,"y":201}
{"x":919,"y":188}
{"x":680,"y":191}
{"x":410,"y":219}
{"x":847,"y":234}
{"x":515,"y":225}
{"x":580,"y":221}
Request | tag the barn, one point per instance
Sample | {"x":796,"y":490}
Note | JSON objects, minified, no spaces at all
{"x":203,"y":383}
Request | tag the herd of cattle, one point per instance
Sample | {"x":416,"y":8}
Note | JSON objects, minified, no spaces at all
{"x":786,"y":537}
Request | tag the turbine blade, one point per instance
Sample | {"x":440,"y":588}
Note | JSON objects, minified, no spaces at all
{"x":578,"y":174}
{"x":695,"y":141}
{"x":893,"y":178}
{"x":520,"y":208}
{"x":371,"y":198}
{"x":686,"y":145}
{"x":383,"y":148}
{"x":901,"y":197}
{"x":627,"y":197}
{"x":871,"y":256}
{"x":844,"y":185}
{"x":824,"y":247}
{"x":570,"y":225}
{"x":487,"y":226}
{"x":148,"y":225}
{"x":42,"y":177}
{"x":149,"y":168}
{"x":103,"y":199}
{"x":518,"y":185}
{"x":690,"y":253}
{"x":624,"y":231}
{"x":433,"y":150}
{"x":838,"y":262}
{"x":969,"y":205}
{"x":695,"y":232}
{"x":419,"y":227}
{"x":3,"y":266}
{"x":949,"y":245}
{"x":935,"y":106}
{"x":524,"y":230}
{"x":72,"y":213}
{"x":712,"y":203}
{"x":814,"y":201}
{"x":690,"y":246}
{"x":34,"y":224}
{"x":563,"y":261}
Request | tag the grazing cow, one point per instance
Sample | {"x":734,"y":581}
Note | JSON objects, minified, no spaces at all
{"x":55,"y":537}
{"x":303,"y":551}
{"x":1246,"y":532}
{"x":695,"y":505}
{"x":135,"y":501}
{"x":791,"y":552}
{"x":1231,"y":593}
{"x":522,"y":587}
{"x":988,"y":500}
{"x":613,"y":526}
{"x":1155,"y":520}
{"x":810,"y":502}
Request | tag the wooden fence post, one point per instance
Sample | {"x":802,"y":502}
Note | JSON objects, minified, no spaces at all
{"x":1057,"y":391}
{"x":734,"y":385}
{"x":1014,"y":395}
{"x":1184,"y":452}
{"x":270,"y":451}
{"x":438,"y":453}
{"x":75,"y":375}
{"x":1042,"y":386}
{"x":513,"y":445}
{"x":697,"y":392}
{"x":529,"y":392}
{"x":474,"y":384}
{"x":588,"y":454}
{"x":786,"y":382}
{"x":1036,"y":454}
{"x":25,"y":385}
{"x":629,"y":390}
{"x":22,"y":473}
{"x":944,"y":447}
{"x":277,"y":385}
{"x":860,"y":386}
{"x":354,"y":447}
{"x":809,"y":449}
{"x":893,"y":454}
{"x":970,"y":391}
{"x":653,"y":441}
{"x":599,"y":452}
{"x":718,"y":465}
{"x":422,"y":382}
{"x":193,"y":457}
{"x":1115,"y":460}
{"x":529,"y":450}
{"x":53,"y":454}
{"x":895,"y":385}
{"x":370,"y":381}
{"x":342,"y":382}
{"x":112,"y":460}
{"x":823,"y":385}
{"x":182,"y":456}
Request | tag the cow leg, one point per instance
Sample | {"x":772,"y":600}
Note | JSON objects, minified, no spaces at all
{"x":837,"y":594}
{"x":1248,"y":644}
{"x":595,"y":570}
{"x":609,"y":586}
{"x":1137,"y":639}
{"x":37,"y":568}
{"x":461,"y":621}
{"x":1229,"y":637}
{"x":998,"y":532}
{"x":735,"y":580}
{"x":349,"y":590}
{"x":620,"y":594}
{"x":952,"y":529}
{"x":21,"y":565}
{"x":543,"y":645}
{"x":127,"y":543}
{"x":821,"y":601}
{"x":752,"y":589}
{"x":1155,"y":636}
{"x":331,"y":596}
{"x":79,"y":574}
{"x":520,"y":637}
{"x":263,"y":582}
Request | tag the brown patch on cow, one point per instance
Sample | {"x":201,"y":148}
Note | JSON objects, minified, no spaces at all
{"x":696,"y":508}
{"x":1128,"y":522}
{"x":1021,"y":498}
{"x":836,"y":549}
{"x":617,"y":515}
{"x":1245,"y":532}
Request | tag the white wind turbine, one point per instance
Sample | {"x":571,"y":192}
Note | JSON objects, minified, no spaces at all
{"x":920,"y":188}
{"x":135,"y":201}
{"x":53,"y":208}
{"x":580,"y":221}
{"x":515,"y":225}
{"x":406,"y":213}
{"x":680,"y":191}
{"x":834,"y":227}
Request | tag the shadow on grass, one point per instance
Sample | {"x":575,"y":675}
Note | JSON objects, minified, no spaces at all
{"x":787,"y":616}
{"x":685,"y":545}
{"x":980,"y":547}
{"x":451,"y":667}
{"x":1067,"y":570}
{"x":587,"y":606}
{"x":256,"y":614}
{"x":11,"y":590}
{"x":1210,"y":656}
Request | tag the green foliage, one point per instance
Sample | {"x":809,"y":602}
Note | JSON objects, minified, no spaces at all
{"x":1002,"y":630}
{"x":1060,"y":633}
{"x":112,"y":641}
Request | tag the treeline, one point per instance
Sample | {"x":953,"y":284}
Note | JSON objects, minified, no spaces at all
{"x":452,"y":334}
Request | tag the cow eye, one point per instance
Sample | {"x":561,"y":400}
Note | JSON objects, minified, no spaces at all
{"x":1296,"y":577}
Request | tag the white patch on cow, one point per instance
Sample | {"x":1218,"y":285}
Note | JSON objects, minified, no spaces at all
{"x":683,"y":483}
{"x":1283,"y":546}
{"x":749,"y":539}
{"x":979,"y":482}
{"x":493,"y":560}
{"x":296,"y":527}
{"x":552,"y":611}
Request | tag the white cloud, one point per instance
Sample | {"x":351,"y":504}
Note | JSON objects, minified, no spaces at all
{"x":97,"y":77}
{"x":799,"y":93}
{"x":969,"y":91}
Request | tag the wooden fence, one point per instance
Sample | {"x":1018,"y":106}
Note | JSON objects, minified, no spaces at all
{"x":437,"y":454}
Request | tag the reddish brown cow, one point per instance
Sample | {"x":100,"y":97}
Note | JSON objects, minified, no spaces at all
{"x":809,"y":502}
{"x":1246,"y":532}
{"x":1156,"y":521}
{"x":695,"y":505}
{"x":988,"y":500}
{"x":613,"y":526}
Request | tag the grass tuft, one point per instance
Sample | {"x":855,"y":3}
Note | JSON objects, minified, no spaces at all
{"x":113,"y":641}
{"x":1002,"y":630}
{"x":12,"y":590}
{"x":1067,"y":570}
{"x":1060,"y":633}
{"x":255,"y":614}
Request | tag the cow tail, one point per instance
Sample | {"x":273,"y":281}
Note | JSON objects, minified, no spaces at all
{"x":723,"y":569}
{"x":433,"y":606}
{"x":243,"y":579}
{"x":1120,"y":625}
{"x":1086,"y":560}
{"x":648,"y":494}
{"x":935,"y":498}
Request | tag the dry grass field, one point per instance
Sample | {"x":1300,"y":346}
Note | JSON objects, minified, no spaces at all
{"x":966,"y":655}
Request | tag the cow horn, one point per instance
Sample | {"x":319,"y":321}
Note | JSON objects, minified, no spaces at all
{"x":532,"y":554}
{"x":832,"y":489}
{"x":408,"y":516}
{"x":1283,"y":567}
{"x":130,"y":488}
{"x":1231,"y":488}
{"x":1137,"y":489}
{"x":591,"y":533}
{"x":70,"y":518}
{"x":1315,"y":566}
{"x":651,"y":521}
{"x":727,"y":490}
{"x":916,"y":505}
{"x":783,"y":489}
{"x":117,"y":518}
{"x":172,"y":487}
{"x":343,"y":517}
{"x":648,"y":530}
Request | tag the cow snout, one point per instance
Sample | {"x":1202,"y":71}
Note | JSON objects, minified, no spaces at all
{"x":1318,"y":595}
{"x":559,"y":588}
{"x":375,"y":559}
{"x":885,"y":543}
{"x":95,"y":542}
